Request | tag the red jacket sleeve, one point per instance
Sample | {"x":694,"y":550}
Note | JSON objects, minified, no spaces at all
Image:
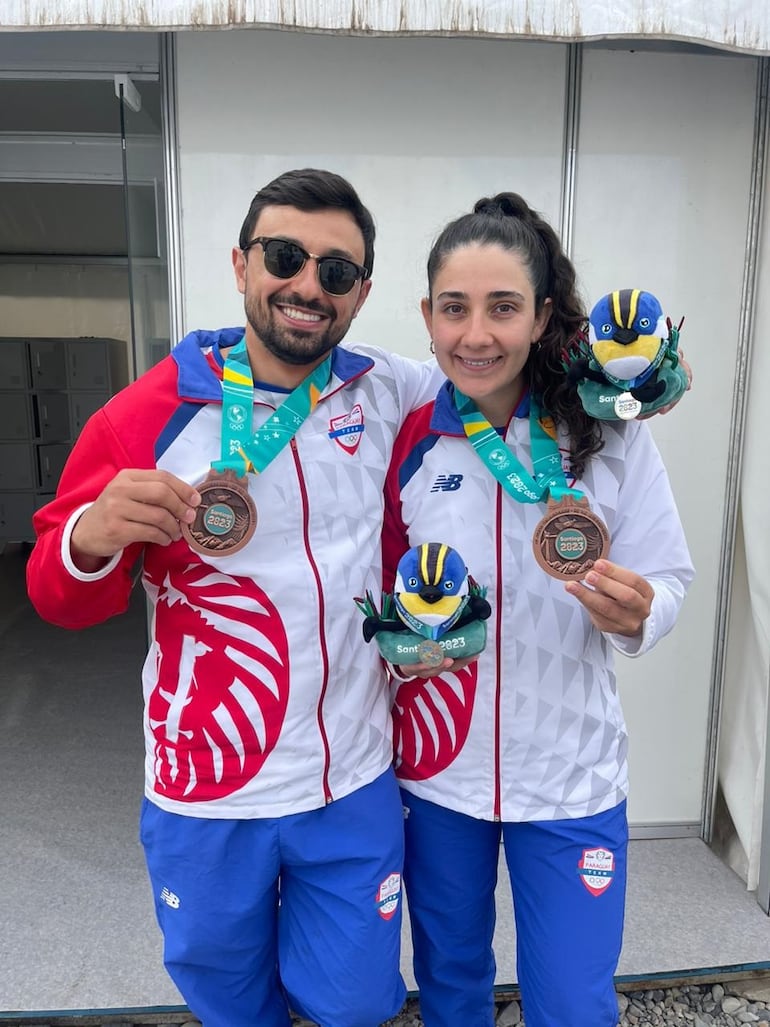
{"x":120,"y":435}
{"x":394,"y":537}
{"x":395,"y":533}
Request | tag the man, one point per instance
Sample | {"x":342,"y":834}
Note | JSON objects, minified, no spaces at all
{"x":268,"y":737}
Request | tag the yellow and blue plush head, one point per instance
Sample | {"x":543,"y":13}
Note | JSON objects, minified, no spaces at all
{"x":431,"y":589}
{"x":629,"y":363}
{"x":627,"y":331}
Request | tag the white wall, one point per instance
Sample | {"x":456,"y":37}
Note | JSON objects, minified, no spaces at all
{"x":662,"y":203}
{"x":401,"y":118}
{"x":744,"y":728}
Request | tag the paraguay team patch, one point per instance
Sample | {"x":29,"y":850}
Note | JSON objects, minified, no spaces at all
{"x":347,"y":429}
{"x":597,"y":869}
{"x":388,"y":895}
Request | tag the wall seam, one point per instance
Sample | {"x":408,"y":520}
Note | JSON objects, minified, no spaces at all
{"x":170,"y":129}
{"x":735,"y":455}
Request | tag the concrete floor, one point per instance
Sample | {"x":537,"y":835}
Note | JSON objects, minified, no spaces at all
{"x":78,"y":931}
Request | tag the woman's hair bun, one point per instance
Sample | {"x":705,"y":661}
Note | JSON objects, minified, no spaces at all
{"x":509,"y":205}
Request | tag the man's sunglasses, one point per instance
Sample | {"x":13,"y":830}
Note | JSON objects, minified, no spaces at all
{"x":285,"y":259}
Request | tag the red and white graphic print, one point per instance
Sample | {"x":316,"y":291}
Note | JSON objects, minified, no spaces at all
{"x":431,"y":720}
{"x":347,"y":429}
{"x":222,"y":683}
{"x":388,"y":895}
{"x":597,"y":869}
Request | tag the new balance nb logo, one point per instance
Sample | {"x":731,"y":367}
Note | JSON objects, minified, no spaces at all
{"x":169,"y":898}
{"x":447,"y":483}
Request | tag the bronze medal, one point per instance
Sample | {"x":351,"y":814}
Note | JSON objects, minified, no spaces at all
{"x":430,"y":653}
{"x":569,"y":539}
{"x":226,"y":518}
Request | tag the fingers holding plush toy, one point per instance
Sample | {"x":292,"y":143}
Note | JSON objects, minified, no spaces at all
{"x":618,"y":600}
{"x":670,"y":406}
{"x":422,"y":670}
{"x":686,"y":367}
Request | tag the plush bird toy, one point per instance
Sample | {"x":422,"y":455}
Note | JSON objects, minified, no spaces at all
{"x":436,"y":609}
{"x":629,"y":363}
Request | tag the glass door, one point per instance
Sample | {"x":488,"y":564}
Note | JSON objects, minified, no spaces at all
{"x":145,"y":220}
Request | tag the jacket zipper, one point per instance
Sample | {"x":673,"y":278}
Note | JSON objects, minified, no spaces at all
{"x":321,"y":610}
{"x":498,"y":646}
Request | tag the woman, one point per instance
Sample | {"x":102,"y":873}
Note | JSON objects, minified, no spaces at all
{"x":527,"y":744}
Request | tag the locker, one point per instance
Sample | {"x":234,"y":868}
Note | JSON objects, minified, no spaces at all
{"x":50,"y":387}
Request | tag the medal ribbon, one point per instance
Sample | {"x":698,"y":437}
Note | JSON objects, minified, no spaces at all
{"x":548,"y":478}
{"x":242,"y":449}
{"x":430,"y":631}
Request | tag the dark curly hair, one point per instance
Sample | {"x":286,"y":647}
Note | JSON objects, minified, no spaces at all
{"x":508,"y":221}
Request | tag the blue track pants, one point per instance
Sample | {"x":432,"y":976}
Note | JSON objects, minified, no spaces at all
{"x":300,"y":912}
{"x":568,"y":879}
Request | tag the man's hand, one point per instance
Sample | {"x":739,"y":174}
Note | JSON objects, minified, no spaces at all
{"x":136,"y":506}
{"x":618,"y":600}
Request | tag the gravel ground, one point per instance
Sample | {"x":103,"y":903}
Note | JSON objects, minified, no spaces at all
{"x":704,"y":1005}
{"x":695,"y":1005}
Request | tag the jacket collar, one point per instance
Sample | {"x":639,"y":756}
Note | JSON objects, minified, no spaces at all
{"x":198,"y":381}
{"x":446,"y":421}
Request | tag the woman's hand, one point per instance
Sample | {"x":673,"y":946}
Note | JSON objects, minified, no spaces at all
{"x":617,"y":600}
{"x":670,"y":406}
{"x":422,"y":670}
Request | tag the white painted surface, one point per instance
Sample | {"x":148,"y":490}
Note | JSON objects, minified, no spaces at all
{"x":409,"y":133}
{"x":742,"y":761}
{"x":662,"y":200}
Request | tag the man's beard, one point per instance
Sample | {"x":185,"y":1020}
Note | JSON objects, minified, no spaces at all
{"x":292,"y":345}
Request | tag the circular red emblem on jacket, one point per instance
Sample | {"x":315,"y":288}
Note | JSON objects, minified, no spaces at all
{"x":222,"y":683}
{"x":431,"y":720}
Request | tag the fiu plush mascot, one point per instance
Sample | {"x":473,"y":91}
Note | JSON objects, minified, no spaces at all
{"x":436,"y":609}
{"x":629,"y":363}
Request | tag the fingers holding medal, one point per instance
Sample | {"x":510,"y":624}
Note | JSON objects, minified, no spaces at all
{"x":618,"y":600}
